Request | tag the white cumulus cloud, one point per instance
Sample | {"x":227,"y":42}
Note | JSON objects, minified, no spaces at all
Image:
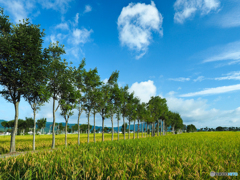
{"x":199,"y":78}
{"x":62,"y":26}
{"x":185,"y":9}
{"x":80,"y":36}
{"x":143,"y":90}
{"x":135,"y":25}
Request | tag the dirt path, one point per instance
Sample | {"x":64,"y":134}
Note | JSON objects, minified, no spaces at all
{"x":14,"y":154}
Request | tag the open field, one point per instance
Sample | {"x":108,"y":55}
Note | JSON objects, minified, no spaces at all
{"x":183,"y":156}
{"x":24,"y":143}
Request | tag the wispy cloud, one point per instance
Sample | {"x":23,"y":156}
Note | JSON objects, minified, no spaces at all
{"x":61,"y":6}
{"x":230,"y":76}
{"x":185,"y":9}
{"x":62,"y":26}
{"x":181,"y":79}
{"x":199,"y":78}
{"x":80,"y":36}
{"x":229,"y":52}
{"x":135,"y":24}
{"x":229,"y":16}
{"x":211,"y":91}
{"x":88,"y":8}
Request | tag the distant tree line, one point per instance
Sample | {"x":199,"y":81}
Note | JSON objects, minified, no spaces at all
{"x":219,"y":128}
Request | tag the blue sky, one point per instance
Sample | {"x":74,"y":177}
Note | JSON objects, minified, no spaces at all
{"x":187,"y":51}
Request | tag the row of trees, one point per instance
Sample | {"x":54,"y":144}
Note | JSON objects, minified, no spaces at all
{"x":219,"y":128}
{"x":27,"y":71}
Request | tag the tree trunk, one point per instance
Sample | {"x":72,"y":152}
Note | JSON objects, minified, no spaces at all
{"x":173,"y":130}
{"x":129,"y":130}
{"x":94,"y":128}
{"x":112,"y":127}
{"x":152,"y":129}
{"x":34,"y":128}
{"x":134,"y":130}
{"x":102,"y":128}
{"x":88,"y":128}
{"x":158,"y":127}
{"x":79,"y":114}
{"x":53,"y":133}
{"x":118,"y":130}
{"x":142,"y":129}
{"x":147,"y":130}
{"x":138,"y":128}
{"x":66,"y":133}
{"x":163,"y":128}
{"x":13,"y":134}
{"x":124,"y":128}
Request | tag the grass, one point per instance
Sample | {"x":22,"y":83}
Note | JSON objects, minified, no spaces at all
{"x":183,"y":156}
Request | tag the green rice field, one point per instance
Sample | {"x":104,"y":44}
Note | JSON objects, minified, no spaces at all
{"x":182,"y":156}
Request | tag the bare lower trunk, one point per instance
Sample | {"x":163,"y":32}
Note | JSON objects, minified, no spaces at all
{"x":34,"y":128}
{"x":129,"y":130}
{"x":124,"y":128}
{"x":158,"y":127}
{"x":112,"y":127}
{"x":173,"y":130}
{"x":13,"y":134}
{"x":163,"y":128}
{"x":102,"y":129}
{"x":147,"y":130}
{"x":88,"y":128}
{"x":53,"y":132}
{"x":134,"y":130}
{"x":94,"y":129}
{"x":142,"y":129}
{"x":138,"y":129}
{"x":118,"y":130}
{"x":152,"y":129}
{"x":79,"y":114}
{"x":66,"y":133}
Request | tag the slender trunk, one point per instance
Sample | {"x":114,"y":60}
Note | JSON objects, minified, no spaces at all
{"x":102,"y":128}
{"x":129,"y":130}
{"x":158,"y":127}
{"x":163,"y":128}
{"x":94,"y":129}
{"x":112,"y":127}
{"x":124,"y":128}
{"x":152,"y":129}
{"x":142,"y":129}
{"x":88,"y":128}
{"x":134,"y":130}
{"x":53,"y":133}
{"x":138,"y":128}
{"x":118,"y":129}
{"x":13,"y":134}
{"x":147,"y":130}
{"x":79,"y":114}
{"x":66,"y":132}
{"x":34,"y":128}
{"x":173,"y":129}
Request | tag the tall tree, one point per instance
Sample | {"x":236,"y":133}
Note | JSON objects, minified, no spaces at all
{"x":21,"y":59}
{"x":55,"y":75}
{"x":91,"y":81}
{"x":131,"y":110}
{"x":114,"y":93}
{"x":69,"y":96}
{"x":124,"y":97}
{"x":105,"y":95}
{"x":140,"y":115}
{"x":80,"y":86}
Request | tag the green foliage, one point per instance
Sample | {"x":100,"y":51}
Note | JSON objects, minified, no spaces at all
{"x":41,"y":123}
{"x":124,"y":130}
{"x":191,"y":128}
